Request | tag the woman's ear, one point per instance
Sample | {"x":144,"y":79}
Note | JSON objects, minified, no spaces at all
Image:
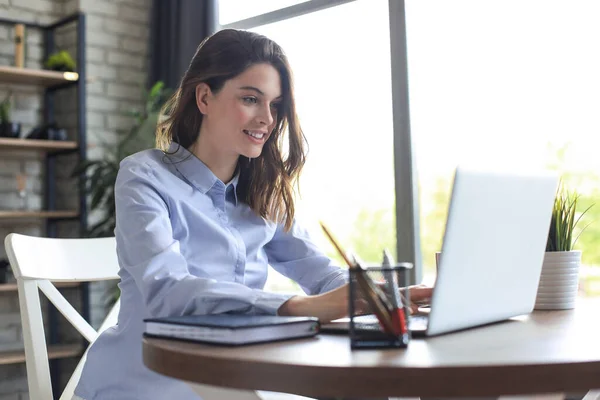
{"x":202,"y":94}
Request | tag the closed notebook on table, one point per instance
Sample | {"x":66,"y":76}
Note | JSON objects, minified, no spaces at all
{"x":230,"y":329}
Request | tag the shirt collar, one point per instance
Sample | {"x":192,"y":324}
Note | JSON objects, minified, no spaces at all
{"x":195,"y":171}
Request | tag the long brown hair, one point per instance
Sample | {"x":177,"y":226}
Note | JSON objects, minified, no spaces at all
{"x":266,"y":183}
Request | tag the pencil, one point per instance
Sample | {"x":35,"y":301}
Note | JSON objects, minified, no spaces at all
{"x":337,"y":246}
{"x":376,"y":299}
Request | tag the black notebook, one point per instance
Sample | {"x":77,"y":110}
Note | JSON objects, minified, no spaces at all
{"x":232,"y":329}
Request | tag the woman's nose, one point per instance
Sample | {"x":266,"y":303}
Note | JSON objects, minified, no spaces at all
{"x":266,"y":116}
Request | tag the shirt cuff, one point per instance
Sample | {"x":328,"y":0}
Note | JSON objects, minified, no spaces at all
{"x":341,"y":278}
{"x":270,"y":302}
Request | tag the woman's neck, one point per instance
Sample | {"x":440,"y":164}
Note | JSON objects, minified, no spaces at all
{"x":223,"y":166}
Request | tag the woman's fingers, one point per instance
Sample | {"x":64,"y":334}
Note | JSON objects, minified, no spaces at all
{"x":420,"y":293}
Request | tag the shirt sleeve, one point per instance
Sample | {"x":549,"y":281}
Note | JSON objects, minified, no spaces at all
{"x":148,"y":252}
{"x":296,"y":256}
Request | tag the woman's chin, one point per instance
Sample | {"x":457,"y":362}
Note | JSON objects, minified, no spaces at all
{"x":255,"y":153}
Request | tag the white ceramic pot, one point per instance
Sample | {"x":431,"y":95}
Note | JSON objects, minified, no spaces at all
{"x":559,"y":281}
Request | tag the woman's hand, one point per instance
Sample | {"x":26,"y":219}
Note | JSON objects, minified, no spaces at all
{"x":334,"y":304}
{"x":326,"y":306}
{"x":419,"y":295}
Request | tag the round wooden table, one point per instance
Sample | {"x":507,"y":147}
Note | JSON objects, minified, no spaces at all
{"x":545,"y":352}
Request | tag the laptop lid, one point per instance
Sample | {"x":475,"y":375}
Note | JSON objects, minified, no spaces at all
{"x":493,"y":248}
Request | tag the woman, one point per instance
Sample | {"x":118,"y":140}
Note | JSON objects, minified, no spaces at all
{"x":200,"y":218}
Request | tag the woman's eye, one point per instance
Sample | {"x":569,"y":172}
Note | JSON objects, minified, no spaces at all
{"x":249,"y":100}
{"x":276,"y":106}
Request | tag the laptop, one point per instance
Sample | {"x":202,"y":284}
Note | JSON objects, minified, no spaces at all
{"x":492,"y":252}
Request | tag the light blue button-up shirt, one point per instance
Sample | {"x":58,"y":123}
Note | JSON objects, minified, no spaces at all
{"x":187,"y":245}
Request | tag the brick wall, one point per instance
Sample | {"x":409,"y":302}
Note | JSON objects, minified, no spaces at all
{"x":117,"y":57}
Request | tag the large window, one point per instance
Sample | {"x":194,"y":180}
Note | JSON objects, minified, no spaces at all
{"x":510,"y":83}
{"x":341,"y":62}
{"x":507,"y":82}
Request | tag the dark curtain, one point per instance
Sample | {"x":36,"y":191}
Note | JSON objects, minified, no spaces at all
{"x":177,"y":28}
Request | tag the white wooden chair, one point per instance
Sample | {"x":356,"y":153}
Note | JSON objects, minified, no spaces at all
{"x":36,"y":263}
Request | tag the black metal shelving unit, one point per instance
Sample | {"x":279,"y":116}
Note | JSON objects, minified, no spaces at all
{"x":53,"y":83}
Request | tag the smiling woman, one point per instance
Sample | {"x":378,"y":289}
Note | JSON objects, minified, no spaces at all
{"x":200,"y":219}
{"x":240,"y":83}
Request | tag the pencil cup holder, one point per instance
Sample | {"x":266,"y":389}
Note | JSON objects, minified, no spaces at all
{"x":378,"y":309}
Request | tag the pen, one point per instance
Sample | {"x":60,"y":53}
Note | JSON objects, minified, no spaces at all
{"x":391,"y":281}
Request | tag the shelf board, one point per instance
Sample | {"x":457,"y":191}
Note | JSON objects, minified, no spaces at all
{"x":33,"y":144}
{"x":12,"y":287}
{"x":30,"y":76}
{"x":54,"y":352}
{"x":17,"y":214}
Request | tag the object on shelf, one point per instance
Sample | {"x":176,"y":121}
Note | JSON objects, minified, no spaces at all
{"x":22,"y":189}
{"x":7,"y":127}
{"x":19,"y":45}
{"x":48,"y":132}
{"x":61,"y":61}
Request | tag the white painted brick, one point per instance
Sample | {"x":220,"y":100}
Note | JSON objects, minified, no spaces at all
{"x":34,"y":36}
{"x":47,"y":19}
{"x":104,"y":72}
{"x":135,"y":46}
{"x":134,"y":13}
{"x":97,"y":103}
{"x":122,"y":91}
{"x":138,"y":3}
{"x":94,"y":120}
{"x":10,"y":319}
{"x":11,"y":201}
{"x":96,"y":86}
{"x":126,"y":59}
{"x":33,"y":167}
{"x":30,"y":230}
{"x":7,"y":48}
{"x":25,"y":116}
{"x":103,"y":39}
{"x":8,"y":301}
{"x":132,"y":76}
{"x":35,"y":52}
{"x":8,"y":184}
{"x":9,"y":166}
{"x":95,"y":54}
{"x":3,"y":32}
{"x":27,"y":101}
{"x":94,"y":22}
{"x":71,"y":7}
{"x":118,"y":122}
{"x":14,"y":385}
{"x":14,"y":13}
{"x":42,"y":6}
{"x":99,"y":7}
{"x":9,"y":334}
{"x":124,"y":28}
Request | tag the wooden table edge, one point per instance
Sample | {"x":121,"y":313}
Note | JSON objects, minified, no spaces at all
{"x":315,"y":381}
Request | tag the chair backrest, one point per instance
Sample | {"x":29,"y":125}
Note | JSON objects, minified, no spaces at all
{"x":35,"y":263}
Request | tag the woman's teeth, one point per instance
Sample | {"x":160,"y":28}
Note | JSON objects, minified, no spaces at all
{"x":256,"y":135}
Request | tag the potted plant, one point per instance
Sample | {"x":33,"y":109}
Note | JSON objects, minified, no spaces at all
{"x":61,"y":61}
{"x":7,"y":127}
{"x":559,"y":280}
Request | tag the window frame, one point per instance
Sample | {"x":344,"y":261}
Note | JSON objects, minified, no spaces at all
{"x":408,"y":238}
